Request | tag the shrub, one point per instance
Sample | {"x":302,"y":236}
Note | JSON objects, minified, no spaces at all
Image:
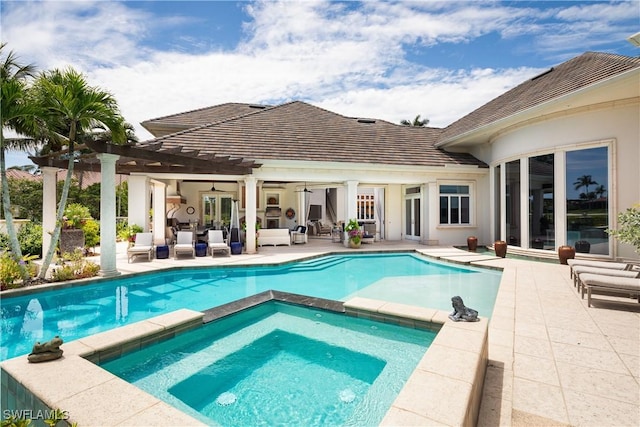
{"x":62,"y":274}
{"x":4,"y":242}
{"x":75,"y":266}
{"x":628,"y":227}
{"x":10,"y":271}
{"x":91,"y":229}
{"x":30,"y":238}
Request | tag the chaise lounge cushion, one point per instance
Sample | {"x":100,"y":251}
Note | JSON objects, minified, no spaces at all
{"x":184,"y":244}
{"x":612,"y":284}
{"x":598,"y":264}
{"x":143,"y":245}
{"x":217,"y":243}
{"x":582,"y":269}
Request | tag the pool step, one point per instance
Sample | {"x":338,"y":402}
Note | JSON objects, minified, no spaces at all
{"x":316,"y":265}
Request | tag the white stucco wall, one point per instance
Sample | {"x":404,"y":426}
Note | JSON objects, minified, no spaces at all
{"x":613,"y":123}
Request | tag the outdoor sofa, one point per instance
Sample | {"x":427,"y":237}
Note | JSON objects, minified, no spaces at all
{"x":274,"y":236}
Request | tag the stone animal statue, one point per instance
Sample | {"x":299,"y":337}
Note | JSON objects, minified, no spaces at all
{"x":462,"y":313}
{"x":49,"y":350}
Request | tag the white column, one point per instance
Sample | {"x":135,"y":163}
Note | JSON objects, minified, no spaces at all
{"x":108,"y":266}
{"x":350,"y":203}
{"x":250,"y":214}
{"x":49,"y":204}
{"x":159,"y":212}
{"x":139,"y":201}
{"x":433,"y":206}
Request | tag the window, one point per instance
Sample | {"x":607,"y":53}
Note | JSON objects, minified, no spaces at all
{"x":455,"y":204}
{"x":541,"y":202}
{"x":587,"y":188}
{"x":365,"y":206}
{"x":216,"y":210}
{"x":512,"y":192}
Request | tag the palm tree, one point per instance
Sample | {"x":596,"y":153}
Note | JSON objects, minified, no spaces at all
{"x":600,"y":190}
{"x":416,"y":122}
{"x":74,"y":108}
{"x":584,"y":181}
{"x":18,"y":114}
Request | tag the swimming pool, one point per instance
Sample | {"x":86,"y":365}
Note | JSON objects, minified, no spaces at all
{"x":80,"y":311}
{"x":280,"y":364}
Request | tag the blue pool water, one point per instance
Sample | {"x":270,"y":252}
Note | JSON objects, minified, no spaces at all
{"x":279,"y":364}
{"x":80,"y":311}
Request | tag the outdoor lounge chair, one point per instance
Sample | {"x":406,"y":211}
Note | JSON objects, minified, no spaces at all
{"x":184,"y":244}
{"x":216,"y":242}
{"x":598,"y":264}
{"x":143,"y":245}
{"x":610,"y":284}
{"x":579,"y":270}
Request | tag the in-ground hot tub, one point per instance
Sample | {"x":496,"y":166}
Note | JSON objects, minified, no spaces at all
{"x":280,"y":364}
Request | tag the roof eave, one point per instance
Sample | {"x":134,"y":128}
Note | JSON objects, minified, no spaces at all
{"x":528,"y":113}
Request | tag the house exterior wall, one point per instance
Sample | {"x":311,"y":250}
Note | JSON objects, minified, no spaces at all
{"x":615,"y":124}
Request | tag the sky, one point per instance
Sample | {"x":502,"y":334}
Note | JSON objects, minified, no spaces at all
{"x":389,"y":60}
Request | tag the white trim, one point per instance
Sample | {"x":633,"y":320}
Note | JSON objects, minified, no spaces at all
{"x":472,"y":203}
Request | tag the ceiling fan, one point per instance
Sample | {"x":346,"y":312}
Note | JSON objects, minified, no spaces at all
{"x":306,"y":190}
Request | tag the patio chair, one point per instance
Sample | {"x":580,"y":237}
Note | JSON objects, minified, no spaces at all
{"x":322,"y":229}
{"x":216,"y":242}
{"x":610,"y":285}
{"x":184,"y":244}
{"x":299,"y":235}
{"x":143,"y":245}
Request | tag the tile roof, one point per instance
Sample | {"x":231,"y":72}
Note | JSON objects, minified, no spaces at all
{"x":303,"y":132}
{"x":577,"y":73}
{"x":20,"y":174}
{"x":199,"y":117}
{"x":84,"y":178}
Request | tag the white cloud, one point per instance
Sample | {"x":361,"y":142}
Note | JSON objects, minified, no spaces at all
{"x":346,"y":57}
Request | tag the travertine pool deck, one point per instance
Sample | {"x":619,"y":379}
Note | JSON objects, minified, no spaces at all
{"x":551,"y":360}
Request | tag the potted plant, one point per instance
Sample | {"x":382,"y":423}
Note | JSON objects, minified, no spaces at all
{"x":354,"y":233}
{"x":72,"y":235}
{"x":129,"y":233}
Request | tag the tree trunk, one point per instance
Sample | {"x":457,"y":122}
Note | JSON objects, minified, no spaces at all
{"x":8,"y":216}
{"x":55,"y":237}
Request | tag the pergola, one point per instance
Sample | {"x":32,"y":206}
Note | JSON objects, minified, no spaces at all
{"x":111,"y":159}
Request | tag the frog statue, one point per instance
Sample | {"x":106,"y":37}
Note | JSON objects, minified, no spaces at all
{"x":462,"y":313}
{"x":49,"y":350}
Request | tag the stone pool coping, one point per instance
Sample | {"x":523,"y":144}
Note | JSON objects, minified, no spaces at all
{"x":89,"y":394}
{"x":444,"y":389}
